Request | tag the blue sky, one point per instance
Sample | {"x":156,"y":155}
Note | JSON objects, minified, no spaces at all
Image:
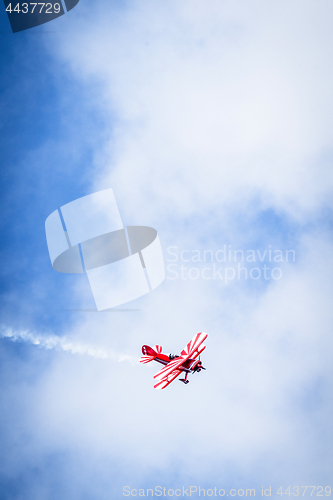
{"x":212,"y":122}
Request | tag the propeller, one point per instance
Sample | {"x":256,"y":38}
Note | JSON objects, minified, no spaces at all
{"x":201,"y":367}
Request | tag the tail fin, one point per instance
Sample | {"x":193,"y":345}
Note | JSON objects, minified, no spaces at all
{"x":150,"y":353}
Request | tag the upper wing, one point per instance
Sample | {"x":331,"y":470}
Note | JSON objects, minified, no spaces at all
{"x":198,"y":351}
{"x":167,"y":379}
{"x":194,"y":344}
{"x":191,"y":350}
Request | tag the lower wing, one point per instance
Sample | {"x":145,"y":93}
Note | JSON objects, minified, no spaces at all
{"x":170,"y":367}
{"x":167,"y":379}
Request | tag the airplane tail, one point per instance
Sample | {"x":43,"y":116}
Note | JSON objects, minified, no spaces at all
{"x":150,"y":353}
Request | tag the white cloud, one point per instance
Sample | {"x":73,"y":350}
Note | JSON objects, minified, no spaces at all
{"x":265,"y":355}
{"x":213,"y":108}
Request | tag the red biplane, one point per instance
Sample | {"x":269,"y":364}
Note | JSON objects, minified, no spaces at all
{"x":174,"y":365}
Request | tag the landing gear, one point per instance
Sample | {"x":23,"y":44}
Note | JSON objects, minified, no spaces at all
{"x":184,"y":379}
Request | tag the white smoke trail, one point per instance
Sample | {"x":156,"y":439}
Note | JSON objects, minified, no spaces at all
{"x":64,"y":344}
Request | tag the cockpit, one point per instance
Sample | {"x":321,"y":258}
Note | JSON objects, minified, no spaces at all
{"x":173,"y":356}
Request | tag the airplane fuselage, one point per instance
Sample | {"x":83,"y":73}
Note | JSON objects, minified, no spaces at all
{"x":189,"y":366}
